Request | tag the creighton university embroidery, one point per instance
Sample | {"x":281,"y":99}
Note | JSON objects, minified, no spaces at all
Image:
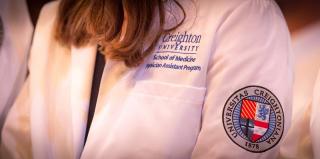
{"x":253,"y":119}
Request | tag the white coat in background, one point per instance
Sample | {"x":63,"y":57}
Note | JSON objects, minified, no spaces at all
{"x":298,"y":143}
{"x":177,"y":104}
{"x":17,"y":31}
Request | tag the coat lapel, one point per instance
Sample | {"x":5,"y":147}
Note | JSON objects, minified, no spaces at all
{"x":82,"y":68}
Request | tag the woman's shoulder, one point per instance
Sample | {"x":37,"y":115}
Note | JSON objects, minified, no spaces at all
{"x":45,"y":47}
{"x":46,"y":22}
{"x":219,"y":7}
{"x":259,"y":12}
{"x":49,"y":10}
{"x":235,"y":3}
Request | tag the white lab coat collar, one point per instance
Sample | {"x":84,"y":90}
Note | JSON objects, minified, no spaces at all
{"x":82,"y":68}
{"x":71,"y":100}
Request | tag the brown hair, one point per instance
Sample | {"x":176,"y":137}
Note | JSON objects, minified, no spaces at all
{"x":81,"y":22}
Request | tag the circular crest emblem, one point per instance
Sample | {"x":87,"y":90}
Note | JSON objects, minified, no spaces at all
{"x":253,"y":119}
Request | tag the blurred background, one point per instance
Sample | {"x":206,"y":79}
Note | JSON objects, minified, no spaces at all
{"x":303,"y":19}
{"x":34,"y":7}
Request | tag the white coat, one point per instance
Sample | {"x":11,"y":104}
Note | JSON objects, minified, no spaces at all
{"x":182,"y":102}
{"x":17,"y":31}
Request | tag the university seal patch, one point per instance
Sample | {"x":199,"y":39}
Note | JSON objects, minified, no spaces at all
{"x":253,"y":119}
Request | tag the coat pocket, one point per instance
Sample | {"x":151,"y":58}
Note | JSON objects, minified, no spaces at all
{"x":162,"y":119}
{"x":170,"y":92}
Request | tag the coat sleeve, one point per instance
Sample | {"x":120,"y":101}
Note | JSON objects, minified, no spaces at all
{"x":247,"y":108}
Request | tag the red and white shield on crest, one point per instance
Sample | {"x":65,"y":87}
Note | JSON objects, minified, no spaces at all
{"x":257,"y":114}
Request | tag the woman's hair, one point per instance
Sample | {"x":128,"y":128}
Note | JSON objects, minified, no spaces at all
{"x":83,"y":22}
